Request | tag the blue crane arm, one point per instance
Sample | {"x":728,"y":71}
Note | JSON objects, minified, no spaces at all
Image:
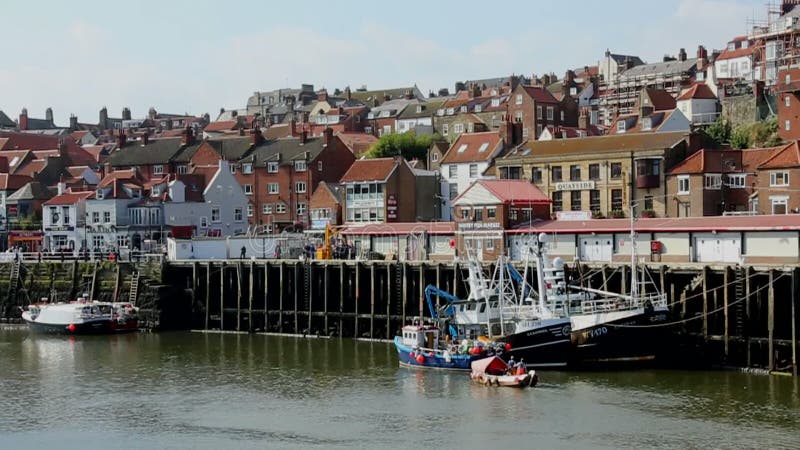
{"x":518,"y":278}
{"x":430,"y":292}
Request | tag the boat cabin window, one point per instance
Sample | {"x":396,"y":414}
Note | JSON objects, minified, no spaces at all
{"x":483,"y":308}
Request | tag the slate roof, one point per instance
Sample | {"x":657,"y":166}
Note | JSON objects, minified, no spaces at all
{"x":32,"y":191}
{"x":157,"y":151}
{"x":620,"y":59}
{"x":6,"y":121}
{"x":598,"y":144}
{"x":428,"y":109}
{"x":376,"y":97}
{"x":285,"y":151}
{"x":666,"y":68}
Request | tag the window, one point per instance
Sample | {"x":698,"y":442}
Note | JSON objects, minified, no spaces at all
{"x":452,"y":170}
{"x":272,"y":188}
{"x":779,"y":179}
{"x":555,"y":173}
{"x":539,"y":113}
{"x":647,"y":123}
{"x":512,"y":214}
{"x":215,"y":215}
{"x":780,"y":204}
{"x":536,"y":174}
{"x":550,"y":113}
{"x":280,"y":208}
{"x":713,"y":181}
{"x":387,"y":129}
{"x":737,"y":181}
{"x":538,"y":130}
{"x":98,"y":241}
{"x":518,"y":116}
{"x":248,"y":189}
{"x":95,"y":217}
{"x":525,"y":132}
{"x":594,"y":201}
{"x":575,"y":200}
{"x":272,"y":167}
{"x":788,"y":79}
{"x":683,"y":184}
{"x":489,"y":245}
{"x":616,"y":170}
{"x":787,"y":101}
{"x":518,"y":99}
{"x":483,"y":147}
{"x":473,"y":171}
{"x":458,"y":128}
{"x":453,"y":190}
{"x":648,"y":202}
{"x":478,"y":108}
{"x":616,"y":199}
{"x":249,"y":210}
{"x":445,"y":128}
{"x":106,"y":216}
{"x":319,"y":166}
{"x":237,"y":214}
{"x":247,"y":168}
{"x":233,"y":169}
{"x":158,"y":170}
{"x":464,"y":109}
{"x":470,"y":127}
{"x":122,"y":240}
{"x":300,"y":166}
{"x":183,"y":169}
{"x":648,"y":167}
{"x":621,"y":126}
{"x":491,"y":213}
{"x":557,"y":201}
{"x":575,"y":172}
{"x":434,"y":156}
{"x":203,"y":222}
{"x":787,"y":125}
{"x":266,"y":208}
{"x":301,"y":209}
{"x":300,"y":187}
{"x":495,"y":102}
{"x":478,"y":214}
{"x":65,"y":214}
{"x":562,"y":114}
{"x":594,"y":171}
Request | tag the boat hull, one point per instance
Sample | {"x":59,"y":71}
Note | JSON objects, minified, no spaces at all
{"x":634,"y":339}
{"x":529,"y":379}
{"x":545,"y":347}
{"x":433,"y":360}
{"x":90,"y":327}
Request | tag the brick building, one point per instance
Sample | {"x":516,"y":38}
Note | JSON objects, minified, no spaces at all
{"x":326,"y":205}
{"x":536,"y":108}
{"x":788,"y":91}
{"x":488,"y":207}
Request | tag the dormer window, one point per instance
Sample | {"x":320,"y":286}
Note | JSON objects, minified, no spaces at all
{"x":300,"y":166}
{"x":385,"y":113}
{"x":464,"y":109}
{"x":478,"y":108}
{"x":495,"y":102}
{"x":158,"y":170}
{"x":450,"y":111}
{"x":272,"y":167}
{"x":745,"y":44}
{"x":98,"y":194}
{"x":371,"y":115}
{"x":136,"y":193}
{"x":419,"y":109}
{"x":647,"y":124}
{"x":621,"y":126}
{"x":440,"y":112}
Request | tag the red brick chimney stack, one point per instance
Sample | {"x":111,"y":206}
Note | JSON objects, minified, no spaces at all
{"x":23,"y":119}
{"x":257,"y":137}
{"x":121,"y":139}
{"x":188,"y":136}
{"x":328,"y":136}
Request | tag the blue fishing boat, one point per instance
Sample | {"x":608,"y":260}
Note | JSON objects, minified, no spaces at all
{"x":420,"y":346}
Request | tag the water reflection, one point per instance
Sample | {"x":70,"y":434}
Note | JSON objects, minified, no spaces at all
{"x":236,"y":390}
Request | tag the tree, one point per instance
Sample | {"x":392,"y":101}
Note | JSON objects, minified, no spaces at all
{"x":408,"y":145}
{"x":740,"y":138}
{"x":719,"y":131}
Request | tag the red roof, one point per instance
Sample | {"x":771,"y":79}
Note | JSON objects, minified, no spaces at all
{"x":224,"y":125}
{"x":69,"y":198}
{"x":710,"y":161}
{"x":13,"y":182}
{"x":698,"y":91}
{"x":783,"y":222}
{"x":278,"y":131}
{"x":660,"y":99}
{"x":540,"y":95}
{"x":78,"y":135}
{"x":738,"y":53}
{"x":401,"y":228}
{"x":752,"y":158}
{"x":358,"y":143}
{"x":473,"y":147}
{"x":787,"y":156}
{"x":510,"y":191}
{"x":377,"y":169}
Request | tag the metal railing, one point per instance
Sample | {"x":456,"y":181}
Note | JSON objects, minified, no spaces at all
{"x":705,"y":118}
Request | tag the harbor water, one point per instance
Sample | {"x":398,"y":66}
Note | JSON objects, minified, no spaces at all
{"x":214,"y":391}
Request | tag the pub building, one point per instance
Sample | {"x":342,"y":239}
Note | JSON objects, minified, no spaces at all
{"x":489,"y":207}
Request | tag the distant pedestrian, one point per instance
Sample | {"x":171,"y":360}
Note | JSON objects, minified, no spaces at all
{"x":243,"y":253}
{"x":39,"y":256}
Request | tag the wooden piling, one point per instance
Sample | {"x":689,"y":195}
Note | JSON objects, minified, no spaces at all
{"x":725,"y":335}
{"x":266,"y":295}
{"x":356,"y":297}
{"x":747,"y":313}
{"x":623,"y":280}
{"x":325,"y":296}
{"x":296,"y":296}
{"x":771,"y":319}
{"x":341,"y":296}
{"x":438,"y":281}
{"x":281,"y":266}
{"x":239,"y":296}
{"x":389,"y":331}
{"x":208,"y":292}
{"x":309,"y":281}
{"x":405,"y":289}
{"x":794,"y":321}
{"x":250,"y":298}
{"x":372,"y":301}
{"x":705,"y":302}
{"x":222,"y":296}
{"x":421,"y":289}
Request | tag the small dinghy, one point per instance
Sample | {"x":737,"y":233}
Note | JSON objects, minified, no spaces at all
{"x":493,"y":371}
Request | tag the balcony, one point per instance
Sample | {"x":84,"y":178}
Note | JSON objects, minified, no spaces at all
{"x":705,"y":118}
{"x":648,"y":181}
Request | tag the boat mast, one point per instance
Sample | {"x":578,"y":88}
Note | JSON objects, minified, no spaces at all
{"x":634,"y":270}
{"x":540,"y":270}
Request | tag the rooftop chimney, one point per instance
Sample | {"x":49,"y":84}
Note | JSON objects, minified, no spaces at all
{"x":126,"y":113}
{"x":151,"y":113}
{"x":188,"y":136}
{"x":145,"y":138}
{"x":322,"y":95}
{"x":328,"y":136}
{"x":682,"y":55}
{"x":257,"y":137}
{"x":48,"y":115}
{"x":62,"y":187}
{"x":583,"y":120}
{"x":303,"y":137}
{"x":23,"y":119}
{"x":347,"y":93}
{"x":73,"y":122}
{"x":121,"y":139}
{"x":103,"y":118}
{"x":4,"y":165}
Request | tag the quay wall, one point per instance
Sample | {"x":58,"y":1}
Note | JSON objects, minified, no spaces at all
{"x":739,"y":315}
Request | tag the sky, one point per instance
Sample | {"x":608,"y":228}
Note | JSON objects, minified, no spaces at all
{"x":200,"y":56}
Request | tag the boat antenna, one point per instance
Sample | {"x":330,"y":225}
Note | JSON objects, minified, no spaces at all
{"x":634,"y":270}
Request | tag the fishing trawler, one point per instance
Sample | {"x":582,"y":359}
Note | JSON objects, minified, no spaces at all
{"x":82,"y":316}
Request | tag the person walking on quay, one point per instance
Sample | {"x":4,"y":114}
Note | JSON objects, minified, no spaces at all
{"x":243,"y":253}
